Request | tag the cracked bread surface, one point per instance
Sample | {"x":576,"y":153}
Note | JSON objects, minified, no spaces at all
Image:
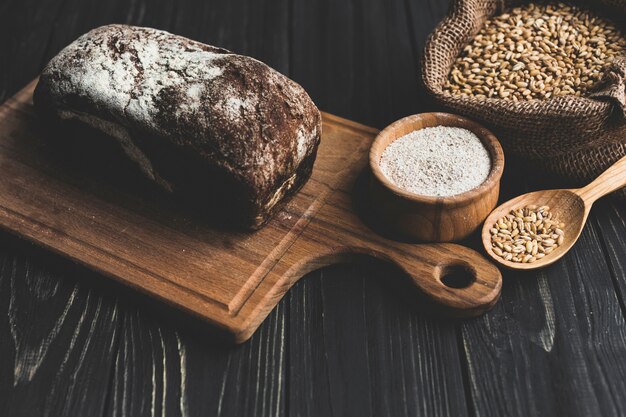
{"x":194,"y":118}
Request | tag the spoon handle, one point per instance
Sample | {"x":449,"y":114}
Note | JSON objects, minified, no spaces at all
{"x":609,"y":181}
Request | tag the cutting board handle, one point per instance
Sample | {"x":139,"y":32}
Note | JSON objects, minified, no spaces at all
{"x":454,"y":280}
{"x":459,"y":281}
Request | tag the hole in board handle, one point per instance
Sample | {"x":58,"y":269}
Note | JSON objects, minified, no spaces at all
{"x":457,"y":276}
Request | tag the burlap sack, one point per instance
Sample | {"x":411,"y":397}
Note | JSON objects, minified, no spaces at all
{"x":574,"y":138}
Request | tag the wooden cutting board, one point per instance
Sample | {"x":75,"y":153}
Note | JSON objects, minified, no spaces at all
{"x":230,"y":279}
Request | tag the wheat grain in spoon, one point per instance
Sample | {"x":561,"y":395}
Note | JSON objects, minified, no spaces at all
{"x":570,"y":206}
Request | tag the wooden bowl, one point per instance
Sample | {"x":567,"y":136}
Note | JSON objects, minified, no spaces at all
{"x":433,"y":219}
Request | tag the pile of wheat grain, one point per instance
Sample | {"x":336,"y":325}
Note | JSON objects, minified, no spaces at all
{"x":536,"y":52}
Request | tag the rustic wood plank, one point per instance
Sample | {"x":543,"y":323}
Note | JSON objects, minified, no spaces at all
{"x":57,"y":357}
{"x":147,"y":375}
{"x":344,"y":357}
{"x":414,"y":362}
{"x":255,"y":28}
{"x":344,"y":342}
{"x":309,"y":393}
{"x":384,"y":59}
{"x":57,"y":336}
{"x":52,"y":325}
{"x":348,"y":58}
{"x":25,"y":27}
{"x":248,"y":380}
{"x":423,"y":17}
{"x":78,"y":17}
{"x":163,"y":367}
{"x":556,"y":342}
{"x":610,"y":220}
{"x":373,"y":353}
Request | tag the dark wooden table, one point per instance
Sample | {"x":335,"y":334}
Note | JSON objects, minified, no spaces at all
{"x":340,"y":343}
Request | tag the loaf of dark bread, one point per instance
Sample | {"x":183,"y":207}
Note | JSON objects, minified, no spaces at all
{"x":196,"y":119}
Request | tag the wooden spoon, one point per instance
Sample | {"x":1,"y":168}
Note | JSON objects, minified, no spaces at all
{"x":569,"y":206}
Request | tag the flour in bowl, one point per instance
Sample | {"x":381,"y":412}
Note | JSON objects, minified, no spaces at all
{"x":436,"y":161}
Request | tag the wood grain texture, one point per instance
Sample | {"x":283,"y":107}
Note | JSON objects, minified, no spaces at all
{"x":610,"y":219}
{"x":352,"y":82}
{"x":51,"y":338}
{"x":27,"y":26}
{"x":366,"y":356}
{"x":420,"y":366}
{"x":58,"y":336}
{"x":557,"y":342}
{"x":162,"y":369}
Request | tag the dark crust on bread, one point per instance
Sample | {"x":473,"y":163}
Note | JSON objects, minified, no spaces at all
{"x":196,"y":119}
